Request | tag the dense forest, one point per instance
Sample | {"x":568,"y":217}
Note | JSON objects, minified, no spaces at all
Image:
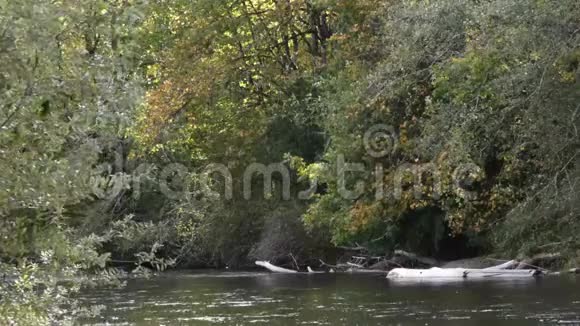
{"x":188,"y":134}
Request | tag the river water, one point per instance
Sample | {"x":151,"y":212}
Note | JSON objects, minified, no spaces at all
{"x":334,"y":299}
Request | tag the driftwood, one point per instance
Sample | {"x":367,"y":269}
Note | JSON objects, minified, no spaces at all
{"x":426,"y":268}
{"x":378,"y":264}
{"x":278,"y":269}
{"x":510,"y":269}
{"x":540,"y":261}
{"x":274,"y":268}
{"x":337,"y":267}
{"x":507,"y":265}
{"x":322,"y":263}
{"x":454,"y":273}
{"x":365,"y":270}
{"x":499,"y":271}
{"x":310,"y":271}
{"x":355,"y":265}
{"x":294,"y":260}
{"x":349,"y":267}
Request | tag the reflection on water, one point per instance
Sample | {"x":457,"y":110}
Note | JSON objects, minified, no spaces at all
{"x":335,"y":299}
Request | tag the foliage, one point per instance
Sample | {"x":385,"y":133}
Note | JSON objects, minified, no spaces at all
{"x":38,"y":293}
{"x":100,"y":98}
{"x":491,"y":83}
{"x":68,"y":85}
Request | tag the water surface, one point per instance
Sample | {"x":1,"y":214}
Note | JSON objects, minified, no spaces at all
{"x":334,"y":299}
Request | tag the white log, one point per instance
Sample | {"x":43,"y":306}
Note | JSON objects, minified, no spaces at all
{"x":508,"y":265}
{"x":455,"y":273}
{"x":274,"y":268}
{"x":501,"y":273}
{"x":311,"y":271}
{"x":355,"y":265}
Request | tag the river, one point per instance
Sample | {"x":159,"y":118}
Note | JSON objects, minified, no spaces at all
{"x":334,"y":299}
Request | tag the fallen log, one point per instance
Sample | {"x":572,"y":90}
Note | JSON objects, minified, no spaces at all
{"x":355,"y":265}
{"x":458,"y":273}
{"x":541,"y":261}
{"x":365,"y":270}
{"x":498,"y":271}
{"x":322,"y":263}
{"x":311,"y":271}
{"x":507,"y":265}
{"x":274,"y":268}
{"x":338,"y":267}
